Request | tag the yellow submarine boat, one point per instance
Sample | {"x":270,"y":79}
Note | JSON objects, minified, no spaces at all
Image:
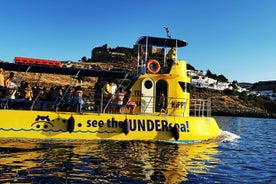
{"x":182,"y":120}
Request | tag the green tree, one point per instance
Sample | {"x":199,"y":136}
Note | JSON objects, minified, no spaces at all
{"x":190,"y":67}
{"x":235,"y":84}
{"x":222,"y":78}
{"x":211,"y":75}
{"x":84,"y":59}
{"x":243,"y":96}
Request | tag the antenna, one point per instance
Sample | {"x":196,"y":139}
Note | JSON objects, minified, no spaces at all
{"x":168,"y":32}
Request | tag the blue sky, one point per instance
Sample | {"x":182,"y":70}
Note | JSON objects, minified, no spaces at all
{"x":236,"y":38}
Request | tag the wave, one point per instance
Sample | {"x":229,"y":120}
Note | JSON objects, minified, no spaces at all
{"x":228,"y":137}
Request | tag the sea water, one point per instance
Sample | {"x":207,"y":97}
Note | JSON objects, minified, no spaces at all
{"x":244,"y":153}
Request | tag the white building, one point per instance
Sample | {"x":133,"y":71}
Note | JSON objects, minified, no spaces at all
{"x":200,"y":80}
{"x":268,"y":93}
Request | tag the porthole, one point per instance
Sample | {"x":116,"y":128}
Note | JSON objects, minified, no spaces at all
{"x":148,"y":84}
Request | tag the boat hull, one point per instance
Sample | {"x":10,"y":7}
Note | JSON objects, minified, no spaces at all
{"x":93,"y":126}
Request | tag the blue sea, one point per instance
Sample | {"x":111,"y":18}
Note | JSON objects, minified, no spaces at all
{"x":245,"y":153}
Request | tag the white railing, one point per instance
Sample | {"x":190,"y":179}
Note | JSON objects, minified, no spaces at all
{"x":200,"y":107}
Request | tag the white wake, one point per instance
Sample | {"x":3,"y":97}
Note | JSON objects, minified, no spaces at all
{"x":228,"y":137}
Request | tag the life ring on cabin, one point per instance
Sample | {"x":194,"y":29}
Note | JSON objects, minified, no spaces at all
{"x":71,"y":124}
{"x":156,"y":66}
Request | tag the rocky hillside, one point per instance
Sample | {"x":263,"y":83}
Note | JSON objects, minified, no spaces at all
{"x":235,"y":105}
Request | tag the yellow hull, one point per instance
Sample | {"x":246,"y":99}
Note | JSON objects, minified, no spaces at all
{"x":93,"y":126}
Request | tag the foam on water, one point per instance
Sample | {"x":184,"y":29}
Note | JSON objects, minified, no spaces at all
{"x":228,"y":137}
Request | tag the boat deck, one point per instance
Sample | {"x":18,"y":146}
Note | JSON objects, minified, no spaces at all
{"x":198,"y":107}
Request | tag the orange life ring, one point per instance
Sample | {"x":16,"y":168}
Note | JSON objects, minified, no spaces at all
{"x":156,"y":66}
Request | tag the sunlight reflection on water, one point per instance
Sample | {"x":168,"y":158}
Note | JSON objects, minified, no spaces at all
{"x":103,"y":161}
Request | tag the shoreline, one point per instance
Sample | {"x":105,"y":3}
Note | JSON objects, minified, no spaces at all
{"x":244,"y":114}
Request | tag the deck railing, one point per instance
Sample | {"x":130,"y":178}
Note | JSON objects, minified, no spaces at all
{"x":94,"y":103}
{"x":200,"y":107}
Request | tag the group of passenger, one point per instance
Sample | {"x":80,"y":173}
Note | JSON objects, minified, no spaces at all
{"x":66,"y":96}
{"x":117,"y":99}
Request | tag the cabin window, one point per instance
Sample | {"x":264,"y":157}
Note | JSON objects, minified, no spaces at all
{"x":185,"y":86}
{"x":148,"y":84}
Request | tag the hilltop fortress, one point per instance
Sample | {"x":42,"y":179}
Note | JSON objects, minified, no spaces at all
{"x":107,"y":54}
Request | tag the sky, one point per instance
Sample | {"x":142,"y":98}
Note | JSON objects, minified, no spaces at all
{"x":235,"y":38}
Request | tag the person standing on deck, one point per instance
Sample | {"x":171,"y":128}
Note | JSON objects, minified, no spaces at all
{"x":128,"y":103}
{"x":162,"y":103}
{"x":10,"y":86}
{"x":113,"y":88}
{"x":106,"y":90}
{"x":78,"y":98}
{"x":9,"y":80}
{"x":171,"y":57}
{"x":119,"y":99}
{"x":2,"y":82}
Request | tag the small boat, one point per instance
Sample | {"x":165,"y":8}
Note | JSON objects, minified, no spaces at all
{"x":180,"y":119}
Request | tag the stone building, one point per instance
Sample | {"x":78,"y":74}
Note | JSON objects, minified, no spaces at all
{"x":107,"y":54}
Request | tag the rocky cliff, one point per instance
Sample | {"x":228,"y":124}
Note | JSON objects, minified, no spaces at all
{"x":235,"y":105}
